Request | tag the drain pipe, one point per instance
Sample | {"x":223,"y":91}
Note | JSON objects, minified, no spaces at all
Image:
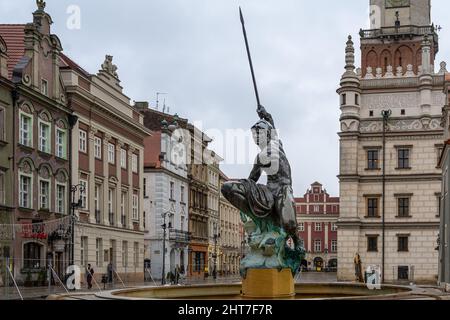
{"x":386,"y":114}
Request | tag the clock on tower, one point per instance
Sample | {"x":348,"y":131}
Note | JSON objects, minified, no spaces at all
{"x":397,"y":3}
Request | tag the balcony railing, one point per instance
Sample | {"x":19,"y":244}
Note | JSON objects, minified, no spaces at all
{"x":398,"y":31}
{"x":179,"y":236}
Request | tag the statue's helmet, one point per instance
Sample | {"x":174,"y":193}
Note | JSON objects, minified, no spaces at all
{"x":263,"y":132}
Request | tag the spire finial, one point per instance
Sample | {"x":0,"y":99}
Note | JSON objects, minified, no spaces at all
{"x":40,"y":4}
{"x":350,"y":55}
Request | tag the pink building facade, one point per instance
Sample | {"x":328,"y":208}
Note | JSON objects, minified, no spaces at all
{"x":317,"y":215}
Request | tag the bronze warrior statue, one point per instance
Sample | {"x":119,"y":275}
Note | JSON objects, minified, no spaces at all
{"x":268,"y":211}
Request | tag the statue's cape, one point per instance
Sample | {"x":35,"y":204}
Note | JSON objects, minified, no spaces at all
{"x":260,"y":198}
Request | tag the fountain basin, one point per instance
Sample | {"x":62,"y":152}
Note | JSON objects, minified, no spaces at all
{"x":304,"y":291}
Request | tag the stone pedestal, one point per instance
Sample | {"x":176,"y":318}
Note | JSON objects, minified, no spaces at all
{"x":268,"y":283}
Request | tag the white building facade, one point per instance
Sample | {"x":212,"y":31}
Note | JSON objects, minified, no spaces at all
{"x":390,"y":188}
{"x":107,"y":168}
{"x":166,"y":201}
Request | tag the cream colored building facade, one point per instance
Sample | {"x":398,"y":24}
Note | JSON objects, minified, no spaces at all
{"x":213,"y":210}
{"x":231,"y":236}
{"x":398,"y":75}
{"x":107,"y":162}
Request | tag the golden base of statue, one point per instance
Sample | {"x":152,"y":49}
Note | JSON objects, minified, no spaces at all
{"x":268,"y":284}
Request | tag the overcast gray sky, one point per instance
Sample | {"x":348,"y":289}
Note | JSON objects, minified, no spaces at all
{"x":194,"y":50}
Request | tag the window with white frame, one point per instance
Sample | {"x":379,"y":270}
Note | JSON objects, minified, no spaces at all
{"x":97,"y":197}
{"x":123,"y":202}
{"x":301,"y":227}
{"x":334,"y":245}
{"x":83,"y":141}
{"x":97,"y":148}
{"x":84,"y":250}
{"x":110,"y":201}
{"x":25,"y":190}
{"x":44,"y":194}
{"x":334,"y":227}
{"x":123,"y":158}
{"x":60,"y":198}
{"x":172,"y":190}
{"x":26,"y":130}
{"x":44,"y":137}
{"x":318,"y":227}
{"x":44,"y":87}
{"x":84,"y":194}
{"x":111,"y":153}
{"x":98,"y":252}
{"x":317,"y":245}
{"x":61,"y":143}
{"x":135,"y":215}
{"x":134,"y":163}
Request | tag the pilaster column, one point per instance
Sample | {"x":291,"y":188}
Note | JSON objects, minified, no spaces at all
{"x":91,"y":188}
{"x":129,"y":214}
{"x":119,"y":146}
{"x":75,"y":154}
{"x":106,"y":139}
{"x":309,"y":226}
{"x":141,"y":188}
{"x":326,"y":236}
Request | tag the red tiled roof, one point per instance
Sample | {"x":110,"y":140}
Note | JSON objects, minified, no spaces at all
{"x":67,"y":62}
{"x":152,"y":150}
{"x":13,"y":34}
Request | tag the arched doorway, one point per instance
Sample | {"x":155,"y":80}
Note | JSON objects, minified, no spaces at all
{"x":304,"y":265}
{"x":318,"y":264}
{"x":332,"y":264}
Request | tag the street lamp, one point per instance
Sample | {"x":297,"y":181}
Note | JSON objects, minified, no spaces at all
{"x":164,"y":226}
{"x":75,"y":205}
{"x":216,"y":238}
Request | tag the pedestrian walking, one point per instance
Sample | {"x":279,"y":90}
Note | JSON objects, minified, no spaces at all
{"x":89,"y":276}
{"x":110,"y":272}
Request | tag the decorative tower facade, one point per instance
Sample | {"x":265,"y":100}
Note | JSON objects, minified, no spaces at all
{"x":390,"y":142}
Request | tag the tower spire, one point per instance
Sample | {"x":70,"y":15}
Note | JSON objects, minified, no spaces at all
{"x":349,"y":58}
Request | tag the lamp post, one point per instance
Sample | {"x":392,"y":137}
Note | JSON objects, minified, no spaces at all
{"x":216,"y":238}
{"x":164,"y":226}
{"x":386,"y":114}
{"x":74,"y":205}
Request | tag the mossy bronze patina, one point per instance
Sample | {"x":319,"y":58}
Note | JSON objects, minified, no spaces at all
{"x":268,"y":211}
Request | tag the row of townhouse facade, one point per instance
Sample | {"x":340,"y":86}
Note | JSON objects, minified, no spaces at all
{"x":182,"y":180}
{"x":71,"y":161}
{"x":95,"y":180}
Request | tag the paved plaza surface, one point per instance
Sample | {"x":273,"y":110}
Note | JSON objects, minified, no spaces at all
{"x":41,"y":293}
